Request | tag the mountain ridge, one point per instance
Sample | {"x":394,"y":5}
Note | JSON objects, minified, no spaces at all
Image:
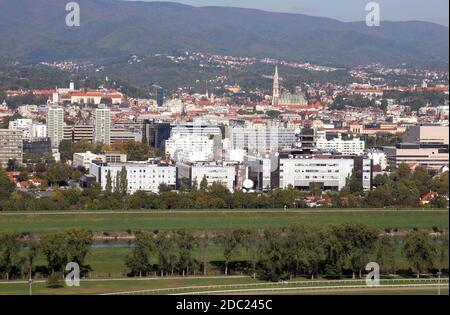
{"x":34,"y":31}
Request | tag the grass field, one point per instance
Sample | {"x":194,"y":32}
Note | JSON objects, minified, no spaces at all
{"x":229,"y":285}
{"x":216,"y":220}
{"x":108,"y":262}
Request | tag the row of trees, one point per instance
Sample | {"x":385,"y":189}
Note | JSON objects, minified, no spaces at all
{"x":401,"y":188}
{"x":17,"y":258}
{"x":273,"y":254}
{"x":281,"y":254}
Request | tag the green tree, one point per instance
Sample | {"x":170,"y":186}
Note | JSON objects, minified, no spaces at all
{"x":163,"y":187}
{"x":421,"y":180}
{"x":230,"y":241}
{"x":123,"y":182}
{"x":303,"y":250}
{"x":273,"y":257}
{"x":140,"y":260}
{"x":6,"y":186}
{"x":194,"y":187}
{"x":440,"y":183}
{"x":165,"y":248}
{"x":10,"y":260}
{"x":385,"y":250}
{"x":58,"y":173}
{"x":439,"y":202}
{"x":354,"y":185}
{"x":204,"y":184}
{"x":66,"y":150}
{"x":419,"y":251}
{"x":78,"y":244}
{"x":54,"y":248}
{"x":108,"y":185}
{"x":251,"y":240}
{"x":186,"y":244}
{"x":315,"y":189}
{"x":359,"y":241}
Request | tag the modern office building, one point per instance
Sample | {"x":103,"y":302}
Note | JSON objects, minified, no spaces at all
{"x":427,"y":146}
{"x":224,"y":173}
{"x":114,"y":157}
{"x":84,"y":159}
{"x":197,"y":128}
{"x":102,"y":125}
{"x":55,"y":125}
{"x":141,"y":176}
{"x":159,"y":95}
{"x":200,"y":129}
{"x":155,"y":133}
{"x":11,"y":146}
{"x":263,"y":140}
{"x":261,"y":170}
{"x":330,"y":171}
{"x":123,"y":135}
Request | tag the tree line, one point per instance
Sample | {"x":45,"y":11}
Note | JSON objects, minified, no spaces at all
{"x":402,"y":187}
{"x":334,"y":251}
{"x":273,"y":254}
{"x":18,"y":258}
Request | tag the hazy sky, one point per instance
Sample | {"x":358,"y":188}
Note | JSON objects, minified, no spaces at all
{"x":344,"y":10}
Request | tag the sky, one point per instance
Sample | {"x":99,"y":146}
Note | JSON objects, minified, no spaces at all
{"x":345,"y":10}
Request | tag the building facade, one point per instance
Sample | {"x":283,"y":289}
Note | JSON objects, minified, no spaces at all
{"x":102,"y":125}
{"x":427,"y":146}
{"x":224,"y":174}
{"x":30,"y":130}
{"x":190,"y":148}
{"x":55,"y":125}
{"x":331,"y":172}
{"x":264,"y":140}
{"x":11,"y":146}
{"x":337,"y":144}
{"x":141,"y":176}
{"x":155,"y":133}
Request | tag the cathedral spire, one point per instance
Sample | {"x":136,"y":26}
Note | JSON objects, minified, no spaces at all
{"x":276,"y":87}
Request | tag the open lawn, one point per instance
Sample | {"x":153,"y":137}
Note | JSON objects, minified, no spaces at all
{"x":230,"y":285}
{"x":120,"y":221}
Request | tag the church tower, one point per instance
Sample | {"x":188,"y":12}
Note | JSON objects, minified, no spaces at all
{"x":276,"y":87}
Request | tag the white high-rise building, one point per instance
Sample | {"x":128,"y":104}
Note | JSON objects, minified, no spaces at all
{"x":102,"y":125}
{"x":55,"y":125}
